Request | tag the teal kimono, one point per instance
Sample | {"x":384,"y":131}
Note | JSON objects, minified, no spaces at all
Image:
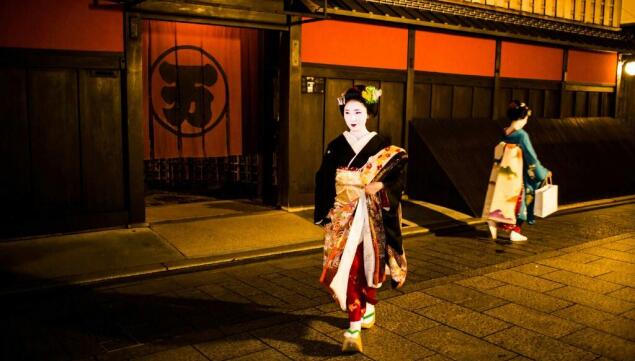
{"x":533,"y":174}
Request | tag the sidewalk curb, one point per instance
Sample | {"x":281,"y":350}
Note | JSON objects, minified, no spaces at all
{"x":308,"y":247}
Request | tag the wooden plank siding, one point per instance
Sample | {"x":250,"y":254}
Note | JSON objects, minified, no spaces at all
{"x":62,"y":154}
{"x":438,"y":99}
{"x":320,"y":121}
{"x":101,"y":137}
{"x":15,"y":178}
{"x":589,"y":11}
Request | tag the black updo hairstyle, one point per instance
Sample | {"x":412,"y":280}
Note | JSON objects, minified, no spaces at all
{"x":517,"y":110}
{"x":355,"y":93}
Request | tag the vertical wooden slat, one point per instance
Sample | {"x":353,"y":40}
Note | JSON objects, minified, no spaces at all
{"x":567,"y":8}
{"x":552,"y":104}
{"x":482,"y":103}
{"x":617,"y":6}
{"x":308,"y":143}
{"x":504,"y":99}
{"x":605,"y":105}
{"x":502,"y":3}
{"x":520,"y":94}
{"x":333,"y":122}
{"x":536,"y":102}
{"x":588,"y":11}
{"x":597,"y":13}
{"x":422,"y":100}
{"x":579,"y":8}
{"x":55,"y":147}
{"x":550,"y":7}
{"x":567,"y":101}
{"x":441,"y":107}
{"x":607,"y":13}
{"x":15,"y":177}
{"x":462,"y":102}
{"x":101,"y":141}
{"x":580,"y":107}
{"x":392,"y":112}
{"x":593,"y":104}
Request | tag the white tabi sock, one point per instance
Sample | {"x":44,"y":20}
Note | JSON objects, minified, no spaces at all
{"x":370,"y":308}
{"x":355,"y":326}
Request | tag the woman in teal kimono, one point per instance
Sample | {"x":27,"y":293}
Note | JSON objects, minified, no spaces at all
{"x":510,"y":198}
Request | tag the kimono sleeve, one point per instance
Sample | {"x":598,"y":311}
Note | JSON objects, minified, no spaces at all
{"x":325,"y":186}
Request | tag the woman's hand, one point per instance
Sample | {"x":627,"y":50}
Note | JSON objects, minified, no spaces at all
{"x":374,"y":187}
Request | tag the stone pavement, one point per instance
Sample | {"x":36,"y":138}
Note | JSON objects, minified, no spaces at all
{"x":567,"y":294}
{"x":197,"y":234}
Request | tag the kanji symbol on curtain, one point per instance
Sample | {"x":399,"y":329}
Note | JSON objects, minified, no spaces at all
{"x":193,"y":89}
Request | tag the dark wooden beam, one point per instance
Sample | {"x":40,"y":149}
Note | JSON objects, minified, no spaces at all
{"x":60,"y":58}
{"x":410,"y":86}
{"x":563,"y":83}
{"x":352,"y":72}
{"x":133,"y":114}
{"x":213,"y":21}
{"x":265,"y":13}
{"x":529,"y":84}
{"x":291,"y":128}
{"x":618,"y":87}
{"x":497,"y":85}
{"x":571,"y":86}
{"x":452,"y":79}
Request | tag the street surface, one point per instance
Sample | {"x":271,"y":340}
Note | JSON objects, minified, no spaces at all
{"x":567,"y":294}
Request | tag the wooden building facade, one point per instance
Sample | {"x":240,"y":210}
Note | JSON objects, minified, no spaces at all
{"x":79,"y":145}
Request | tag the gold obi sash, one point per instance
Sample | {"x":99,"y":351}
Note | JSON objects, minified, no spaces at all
{"x":348,"y":186}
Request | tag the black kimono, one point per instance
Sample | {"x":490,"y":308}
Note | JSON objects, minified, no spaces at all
{"x":338,"y":154}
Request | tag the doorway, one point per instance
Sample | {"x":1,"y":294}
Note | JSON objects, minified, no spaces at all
{"x":210,"y":95}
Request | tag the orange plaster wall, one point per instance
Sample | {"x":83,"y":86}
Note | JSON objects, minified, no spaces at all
{"x":455,"y":54}
{"x":60,"y":24}
{"x":531,"y":61}
{"x":592,"y":67}
{"x":353,"y":44}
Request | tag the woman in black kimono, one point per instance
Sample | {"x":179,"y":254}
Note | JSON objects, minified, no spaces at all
{"x":357,"y":200}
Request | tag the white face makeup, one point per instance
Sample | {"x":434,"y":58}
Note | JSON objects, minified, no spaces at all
{"x":355,"y":115}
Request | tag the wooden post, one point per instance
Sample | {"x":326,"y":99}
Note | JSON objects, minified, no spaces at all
{"x":290,"y":130}
{"x":134,"y":120}
{"x":563,"y":83}
{"x":617,"y":112}
{"x":497,"y":73}
{"x":410,"y":86}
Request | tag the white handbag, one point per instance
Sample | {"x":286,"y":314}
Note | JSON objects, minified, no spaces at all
{"x":546,"y":199}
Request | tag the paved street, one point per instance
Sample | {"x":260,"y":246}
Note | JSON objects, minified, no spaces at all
{"x":567,"y":294}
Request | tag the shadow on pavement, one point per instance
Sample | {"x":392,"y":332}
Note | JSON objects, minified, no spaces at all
{"x":79,"y":322}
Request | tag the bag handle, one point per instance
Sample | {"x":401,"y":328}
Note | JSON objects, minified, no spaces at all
{"x":548,"y":179}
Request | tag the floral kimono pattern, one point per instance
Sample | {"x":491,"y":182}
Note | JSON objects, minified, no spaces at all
{"x":505,"y":184}
{"x":515,"y":176}
{"x":356,"y":218}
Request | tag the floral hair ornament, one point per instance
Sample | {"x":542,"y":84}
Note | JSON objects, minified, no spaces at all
{"x":523,"y":105}
{"x":341,"y":100}
{"x":371,"y":95}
